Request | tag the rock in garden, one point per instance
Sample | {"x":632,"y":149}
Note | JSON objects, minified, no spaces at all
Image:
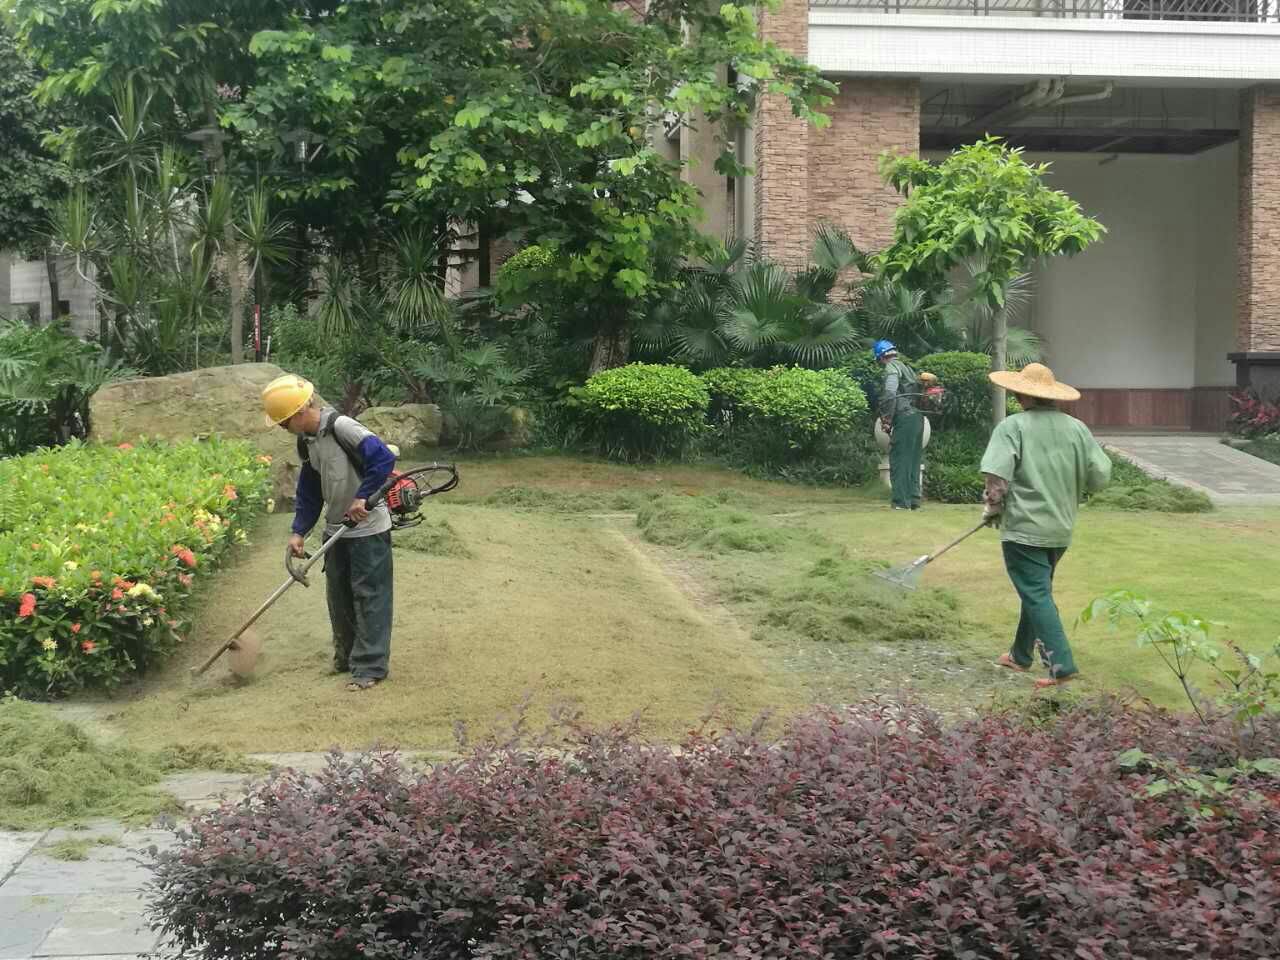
{"x":215,"y":400}
{"x":410,"y":425}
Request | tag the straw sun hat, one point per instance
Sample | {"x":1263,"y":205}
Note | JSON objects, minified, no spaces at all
{"x":1035,"y":380}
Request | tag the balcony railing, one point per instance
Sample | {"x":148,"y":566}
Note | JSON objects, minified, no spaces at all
{"x":1219,"y":11}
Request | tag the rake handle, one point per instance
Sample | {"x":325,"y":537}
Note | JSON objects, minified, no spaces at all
{"x":959,"y":539}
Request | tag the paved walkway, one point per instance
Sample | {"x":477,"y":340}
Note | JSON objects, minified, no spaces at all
{"x":1202,"y":462}
{"x":93,"y":909}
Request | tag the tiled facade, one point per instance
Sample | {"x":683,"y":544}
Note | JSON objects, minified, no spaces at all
{"x":1259,"y":290}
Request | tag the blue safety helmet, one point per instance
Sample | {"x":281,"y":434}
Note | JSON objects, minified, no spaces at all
{"x":882,"y":348}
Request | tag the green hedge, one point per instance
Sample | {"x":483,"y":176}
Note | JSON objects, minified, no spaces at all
{"x":967,"y":402}
{"x":784,"y":415}
{"x":951,"y":472}
{"x":643,"y":410}
{"x":99,"y":548}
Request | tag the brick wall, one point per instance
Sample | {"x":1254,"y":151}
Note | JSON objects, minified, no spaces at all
{"x":869,"y":116}
{"x":782,"y":150}
{"x":804,"y":176}
{"x":1258,"y":313}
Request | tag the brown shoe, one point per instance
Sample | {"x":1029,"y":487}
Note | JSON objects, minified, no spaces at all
{"x":1008,"y":663}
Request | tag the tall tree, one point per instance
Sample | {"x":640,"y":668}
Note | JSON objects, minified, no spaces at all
{"x":192,"y":55}
{"x":529,"y":116}
{"x":986,"y":209}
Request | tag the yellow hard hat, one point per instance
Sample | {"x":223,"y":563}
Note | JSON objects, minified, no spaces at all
{"x":285,"y":396}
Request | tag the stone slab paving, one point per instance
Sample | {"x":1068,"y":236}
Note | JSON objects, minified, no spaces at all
{"x":91,"y":909}
{"x":1202,"y":462}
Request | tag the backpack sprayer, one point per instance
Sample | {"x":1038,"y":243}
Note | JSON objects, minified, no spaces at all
{"x":405,"y":493}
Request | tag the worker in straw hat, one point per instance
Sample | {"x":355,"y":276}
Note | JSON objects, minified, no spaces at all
{"x":1038,"y":466}
{"x":342,"y":465}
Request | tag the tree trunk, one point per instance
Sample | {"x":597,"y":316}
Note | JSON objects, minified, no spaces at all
{"x":611,"y":348}
{"x":999,"y":351}
{"x":55,"y":292}
{"x":484,"y":244}
{"x":231,"y":248}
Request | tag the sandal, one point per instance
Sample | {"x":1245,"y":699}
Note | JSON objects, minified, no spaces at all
{"x":1008,"y":663}
{"x":1044,"y":683}
{"x":361,"y":684}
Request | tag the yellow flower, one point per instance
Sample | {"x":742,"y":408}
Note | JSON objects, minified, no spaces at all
{"x":147,"y":621}
{"x":143,"y":590}
{"x":49,"y":643}
{"x":271,"y":506}
{"x":241,"y":537}
{"x":71,"y":565}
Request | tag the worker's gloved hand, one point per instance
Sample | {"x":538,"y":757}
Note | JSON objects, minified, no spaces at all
{"x":297,"y":546}
{"x":991,"y":514}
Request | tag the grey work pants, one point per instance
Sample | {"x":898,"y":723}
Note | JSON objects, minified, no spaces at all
{"x":358,"y":586}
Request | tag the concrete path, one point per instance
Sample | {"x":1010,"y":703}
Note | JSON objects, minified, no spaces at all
{"x":93,"y":909}
{"x":1202,"y":462}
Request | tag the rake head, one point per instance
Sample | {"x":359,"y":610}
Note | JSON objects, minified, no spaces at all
{"x":904,"y":578}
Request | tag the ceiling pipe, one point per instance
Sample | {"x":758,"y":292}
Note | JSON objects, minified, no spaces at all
{"x":1039,"y":94}
{"x":1102,"y":93}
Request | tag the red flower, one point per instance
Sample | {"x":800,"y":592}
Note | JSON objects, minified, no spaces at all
{"x":28,"y":605}
{"x":96,"y":574}
{"x":47,"y":582}
{"x":117,"y":594}
{"x":125,"y":446}
{"x":185,"y":579}
{"x":88,"y":646}
{"x":35,"y":546}
{"x":75,"y":628}
{"x":229,"y":492}
{"x":185,"y":555}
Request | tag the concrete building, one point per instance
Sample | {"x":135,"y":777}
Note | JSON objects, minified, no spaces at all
{"x":1161,"y":117}
{"x":24,"y":292}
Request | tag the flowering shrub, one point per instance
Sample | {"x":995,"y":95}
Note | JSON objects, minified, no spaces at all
{"x":99,"y":550}
{"x":873,"y":832}
{"x":1251,"y":416}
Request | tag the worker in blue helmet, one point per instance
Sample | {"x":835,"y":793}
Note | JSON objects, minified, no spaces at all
{"x":904,"y":424}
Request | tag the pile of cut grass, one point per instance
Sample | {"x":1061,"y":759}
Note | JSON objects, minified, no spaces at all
{"x":435,"y":537}
{"x":53,"y":773}
{"x":708,"y":523}
{"x":569,"y":501}
{"x":77,"y":848}
{"x":841,"y":601}
{"x":1132,"y":488}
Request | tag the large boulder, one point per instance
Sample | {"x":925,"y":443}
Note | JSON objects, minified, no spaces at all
{"x":222,"y":400}
{"x":410,"y":425}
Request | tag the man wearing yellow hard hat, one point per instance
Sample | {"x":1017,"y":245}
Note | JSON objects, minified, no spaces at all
{"x":342,"y":465}
{"x":1039,"y":464}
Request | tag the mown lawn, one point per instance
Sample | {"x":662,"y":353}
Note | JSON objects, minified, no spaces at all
{"x":536,"y":583}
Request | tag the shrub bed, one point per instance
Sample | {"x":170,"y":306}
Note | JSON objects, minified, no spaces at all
{"x":876,"y":831}
{"x":643,"y":410}
{"x":99,"y":548}
{"x":967,"y":401}
{"x":951,"y":472}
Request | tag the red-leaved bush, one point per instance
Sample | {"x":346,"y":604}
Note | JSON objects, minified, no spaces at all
{"x":875,"y":832}
{"x":1251,"y":416}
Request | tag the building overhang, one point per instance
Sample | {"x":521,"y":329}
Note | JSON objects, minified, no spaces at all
{"x":858,"y":42}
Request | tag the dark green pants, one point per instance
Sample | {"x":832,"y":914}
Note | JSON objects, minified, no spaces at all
{"x":904,"y":458}
{"x":1031,"y":569}
{"x":358,"y":587}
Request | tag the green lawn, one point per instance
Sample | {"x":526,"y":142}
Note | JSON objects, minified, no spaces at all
{"x":727,"y":593}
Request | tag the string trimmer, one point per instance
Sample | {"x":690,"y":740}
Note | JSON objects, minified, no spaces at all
{"x":908,"y":577}
{"x":405,"y":493}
